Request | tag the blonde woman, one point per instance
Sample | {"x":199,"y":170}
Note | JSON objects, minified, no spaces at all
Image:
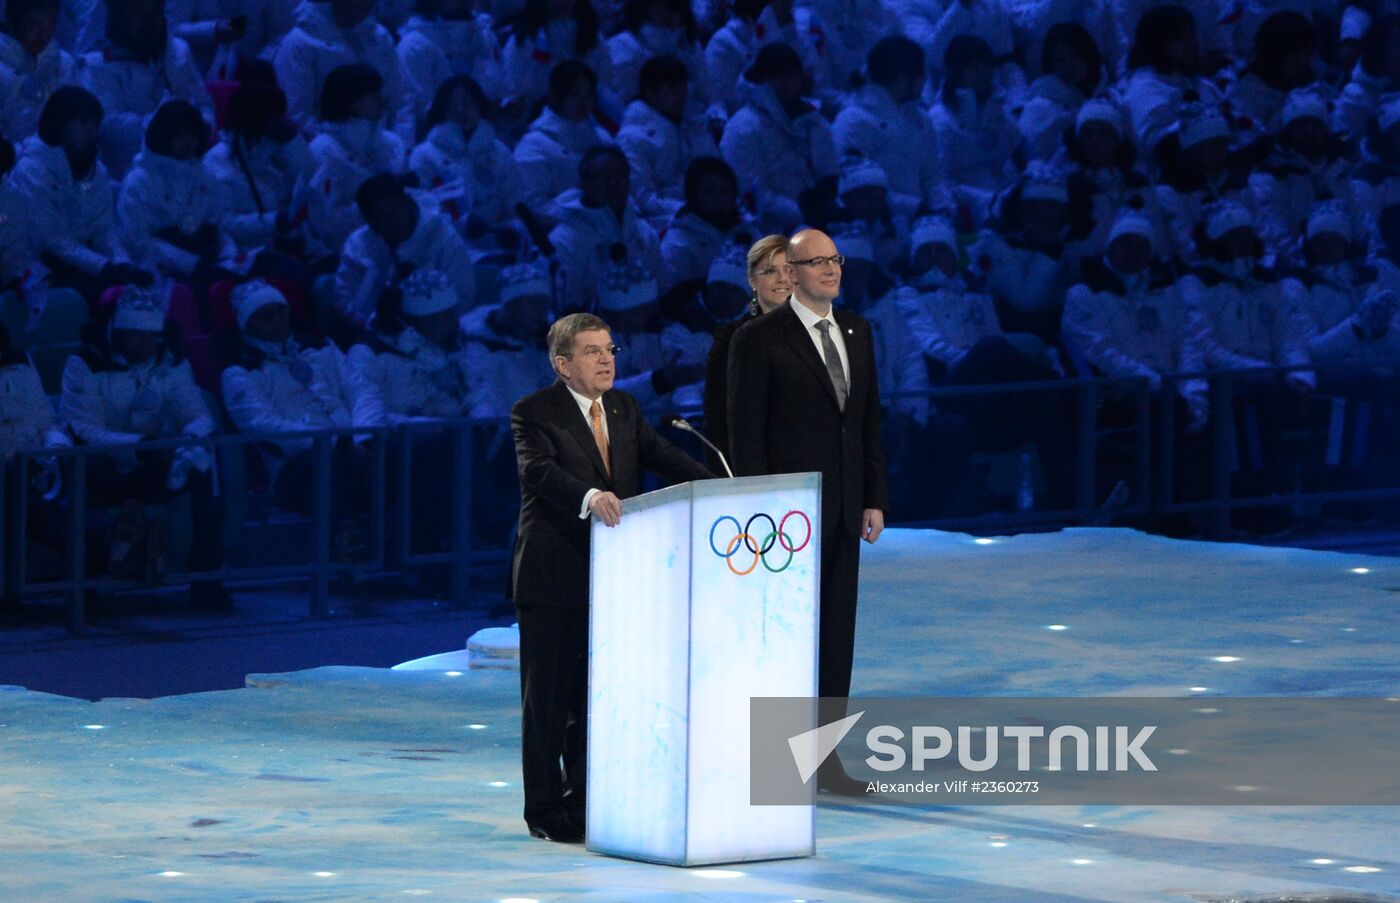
{"x":770,"y":288}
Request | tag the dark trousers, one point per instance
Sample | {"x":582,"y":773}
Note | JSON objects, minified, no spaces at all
{"x":837,"y":631}
{"x":553,"y":710}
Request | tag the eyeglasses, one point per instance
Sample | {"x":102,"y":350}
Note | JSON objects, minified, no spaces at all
{"x":596,"y":352}
{"x":816,"y":263}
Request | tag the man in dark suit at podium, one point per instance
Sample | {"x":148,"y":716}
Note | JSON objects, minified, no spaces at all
{"x":580,"y":448}
{"x":803,"y":397}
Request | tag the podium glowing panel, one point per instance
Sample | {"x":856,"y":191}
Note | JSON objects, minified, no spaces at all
{"x":704,"y":595}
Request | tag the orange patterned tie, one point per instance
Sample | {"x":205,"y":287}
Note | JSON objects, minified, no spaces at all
{"x":595,"y":416}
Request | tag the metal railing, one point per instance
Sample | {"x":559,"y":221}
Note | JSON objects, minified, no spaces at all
{"x":392,"y":448}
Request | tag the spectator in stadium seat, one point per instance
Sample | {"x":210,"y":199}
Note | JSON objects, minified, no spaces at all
{"x":142,"y":67}
{"x":447,"y":38}
{"x":32,"y":66}
{"x":462,"y":149}
{"x":885,"y":122}
{"x":600,"y":230}
{"x":1163,"y":74}
{"x":1375,"y":181}
{"x":1074,"y":74}
{"x":710,"y":220}
{"x":416,"y":358}
{"x":663,"y":361}
{"x":549,"y":153}
{"x":257,"y":166}
{"x":778,"y":144}
{"x":352,"y":146}
{"x":278,"y":384}
{"x":26,"y":417}
{"x":1105,"y":177}
{"x":1285,"y":59}
{"x":400,"y":238}
{"x":660,"y":135}
{"x":170,"y":209}
{"x":1244,"y":317}
{"x":1305,"y":165}
{"x":126,"y":387}
{"x":334,"y":33}
{"x":69,"y":198}
{"x":226,"y":35}
{"x":653,"y":28}
{"x":1377,"y":74}
{"x":507,"y":338}
{"x":1028,"y":258}
{"x":544,"y":34}
{"x":1198,"y":169}
{"x":16,"y":253}
{"x":1347,"y":314}
{"x":1128,"y":319}
{"x":977,"y":139}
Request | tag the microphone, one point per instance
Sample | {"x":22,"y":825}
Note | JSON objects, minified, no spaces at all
{"x":680,"y":423}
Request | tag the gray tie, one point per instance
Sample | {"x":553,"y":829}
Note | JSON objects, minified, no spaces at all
{"x":833,"y":363}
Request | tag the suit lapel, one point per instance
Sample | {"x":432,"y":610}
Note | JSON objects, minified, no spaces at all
{"x":619,"y":429}
{"x":856,"y":362}
{"x":807,"y":350}
{"x":579,"y":427}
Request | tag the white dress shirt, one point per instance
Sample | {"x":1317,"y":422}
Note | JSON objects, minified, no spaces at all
{"x":585,"y":404}
{"x":810,"y":321}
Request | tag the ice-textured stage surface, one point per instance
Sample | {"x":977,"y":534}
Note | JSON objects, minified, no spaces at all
{"x":367,"y":784}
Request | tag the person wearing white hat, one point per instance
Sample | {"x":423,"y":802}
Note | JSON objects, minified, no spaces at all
{"x":400,"y":236}
{"x":663,"y":361}
{"x":1027,"y":261}
{"x":1127,"y":318}
{"x":1198,"y":168}
{"x":1163,"y":72}
{"x":886,"y":123}
{"x":710,"y":220}
{"x":1307,"y":165}
{"x":1104,"y":174}
{"x":946,"y":316}
{"x":661,"y":134}
{"x":126,"y":387}
{"x":279,"y":384}
{"x":508,"y":337}
{"x":1244,"y":316}
{"x":1285,"y":58}
{"x":1073,"y":77}
{"x":601,"y":226}
{"x":1343,"y":314}
{"x":1375,"y":183}
{"x":415,"y":359}
{"x":863,"y":195}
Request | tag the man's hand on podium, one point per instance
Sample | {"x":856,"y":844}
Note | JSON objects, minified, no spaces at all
{"x":872,"y":524}
{"x":607,"y":507}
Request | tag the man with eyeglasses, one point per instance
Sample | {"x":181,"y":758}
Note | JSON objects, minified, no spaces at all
{"x":803,"y":397}
{"x":580,"y":448}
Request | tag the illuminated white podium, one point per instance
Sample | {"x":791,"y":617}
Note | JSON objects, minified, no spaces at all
{"x":703,"y":596}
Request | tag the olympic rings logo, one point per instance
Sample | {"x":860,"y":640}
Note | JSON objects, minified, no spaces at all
{"x":777,"y":535}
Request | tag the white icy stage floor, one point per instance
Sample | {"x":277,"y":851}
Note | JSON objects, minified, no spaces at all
{"x":367,"y":784}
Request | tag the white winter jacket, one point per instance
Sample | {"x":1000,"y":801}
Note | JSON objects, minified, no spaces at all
{"x":415,"y":379}
{"x":342,"y":157}
{"x":584,"y":239}
{"x":548,"y":156}
{"x":902,"y":140}
{"x":659,"y":151}
{"x":368,"y":264}
{"x":317,"y":45}
{"x":482,"y":164}
{"x":1246,"y":320}
{"x":776,"y":156}
{"x":162,"y":193}
{"x":273,"y":170}
{"x":26,"y":83}
{"x":73,"y":220}
{"x":432,"y":50}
